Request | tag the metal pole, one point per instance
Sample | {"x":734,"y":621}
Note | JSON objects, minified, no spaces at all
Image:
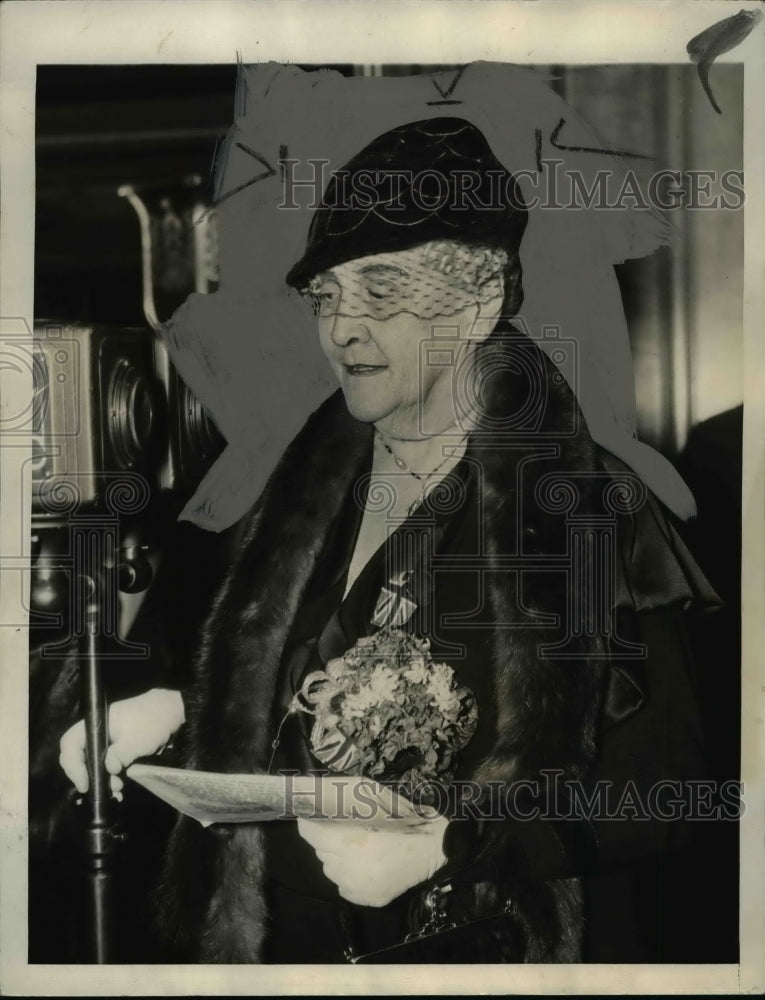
{"x":99,"y":833}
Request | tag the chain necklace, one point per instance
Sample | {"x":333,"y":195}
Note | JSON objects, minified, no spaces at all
{"x":423,"y":479}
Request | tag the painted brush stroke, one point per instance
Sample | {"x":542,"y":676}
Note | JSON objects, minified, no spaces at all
{"x":721,"y":37}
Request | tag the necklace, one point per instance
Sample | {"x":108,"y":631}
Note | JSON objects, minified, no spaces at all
{"x":423,"y":479}
{"x":411,"y":440}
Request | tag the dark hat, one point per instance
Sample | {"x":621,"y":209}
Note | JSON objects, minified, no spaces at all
{"x":429,"y":180}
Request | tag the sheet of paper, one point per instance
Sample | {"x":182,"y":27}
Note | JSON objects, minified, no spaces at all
{"x":253,"y":798}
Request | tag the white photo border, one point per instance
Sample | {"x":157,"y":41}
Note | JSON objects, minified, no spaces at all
{"x":321,"y":32}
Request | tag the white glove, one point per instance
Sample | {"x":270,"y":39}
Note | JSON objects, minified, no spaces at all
{"x":138,"y":727}
{"x":371,"y":867}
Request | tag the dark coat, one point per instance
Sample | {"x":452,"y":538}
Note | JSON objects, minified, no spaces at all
{"x":538,"y":461}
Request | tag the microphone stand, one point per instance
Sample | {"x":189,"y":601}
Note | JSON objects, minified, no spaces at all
{"x":103,"y":576}
{"x":100,"y":830}
{"x":104,"y":570}
{"x":99,"y":569}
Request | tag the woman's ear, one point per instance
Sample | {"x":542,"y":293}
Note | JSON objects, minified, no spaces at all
{"x":486,"y":318}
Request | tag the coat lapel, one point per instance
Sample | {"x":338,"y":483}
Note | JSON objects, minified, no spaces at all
{"x":242,"y":645}
{"x":533,"y":430}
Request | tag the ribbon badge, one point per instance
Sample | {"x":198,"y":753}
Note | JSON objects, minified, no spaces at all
{"x":328,"y":743}
{"x":395,"y":605}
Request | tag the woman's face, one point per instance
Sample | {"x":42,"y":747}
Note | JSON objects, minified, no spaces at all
{"x":394,"y":333}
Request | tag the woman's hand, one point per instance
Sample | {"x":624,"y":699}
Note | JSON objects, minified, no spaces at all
{"x":138,"y":727}
{"x":371,"y":867}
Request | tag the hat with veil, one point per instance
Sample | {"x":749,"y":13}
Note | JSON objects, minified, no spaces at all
{"x":250,"y":350}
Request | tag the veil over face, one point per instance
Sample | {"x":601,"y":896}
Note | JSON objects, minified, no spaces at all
{"x":397,"y":328}
{"x":435,"y":279}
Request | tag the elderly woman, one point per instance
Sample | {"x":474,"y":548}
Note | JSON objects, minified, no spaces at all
{"x":421,"y":497}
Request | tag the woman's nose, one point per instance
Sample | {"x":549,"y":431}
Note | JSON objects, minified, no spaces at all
{"x":347,"y":330}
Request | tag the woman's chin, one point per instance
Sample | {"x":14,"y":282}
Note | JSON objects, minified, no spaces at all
{"x":365,"y":410}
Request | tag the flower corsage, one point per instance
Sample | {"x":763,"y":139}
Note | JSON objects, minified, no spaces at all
{"x":386,"y":710}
